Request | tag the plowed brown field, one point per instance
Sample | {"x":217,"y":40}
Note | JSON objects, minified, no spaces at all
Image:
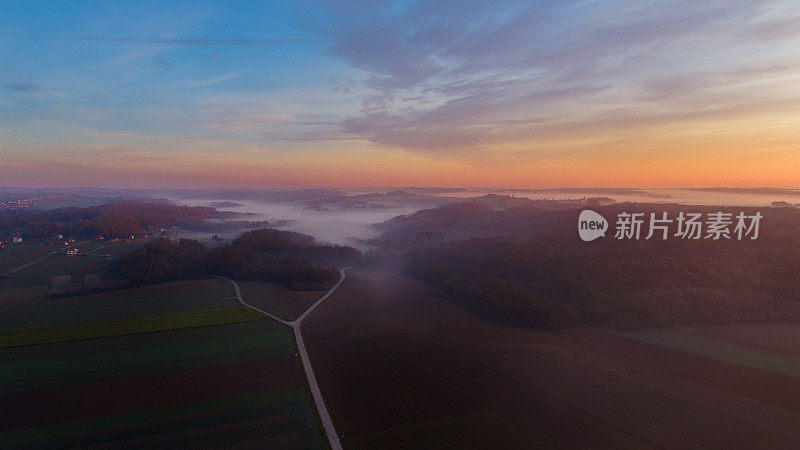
{"x":401,"y":367}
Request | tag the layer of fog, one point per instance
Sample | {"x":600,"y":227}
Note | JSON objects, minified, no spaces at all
{"x":353,"y":226}
{"x":345,"y":227}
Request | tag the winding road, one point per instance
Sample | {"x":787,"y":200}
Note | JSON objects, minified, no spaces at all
{"x":327,"y":422}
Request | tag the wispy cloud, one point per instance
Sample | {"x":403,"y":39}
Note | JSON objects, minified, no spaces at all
{"x":490,"y":73}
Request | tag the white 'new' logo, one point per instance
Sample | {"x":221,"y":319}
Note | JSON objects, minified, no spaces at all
{"x":591,"y":225}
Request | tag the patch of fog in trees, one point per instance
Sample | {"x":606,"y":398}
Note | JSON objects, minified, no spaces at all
{"x":345,"y":227}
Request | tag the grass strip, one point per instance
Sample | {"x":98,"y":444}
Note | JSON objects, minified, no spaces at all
{"x":719,"y":350}
{"x":149,"y":355}
{"x":135,"y":325}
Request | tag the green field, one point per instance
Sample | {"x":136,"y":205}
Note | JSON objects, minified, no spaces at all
{"x":293,"y":404}
{"x":236,"y":374}
{"x":146,"y":324}
{"x":62,"y":264}
{"x":42,"y":272}
{"x":277,"y":299}
{"x":70,"y":362}
{"x":261,"y":295}
{"x":18,"y":255}
{"x":18,"y":296}
{"x":156,"y":299}
{"x":31,"y":264}
{"x":279,"y":341}
{"x":138,"y":341}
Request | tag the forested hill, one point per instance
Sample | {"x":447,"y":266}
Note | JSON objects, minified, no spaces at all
{"x":525,"y":266}
{"x":293,"y":259}
{"x":490,"y":215}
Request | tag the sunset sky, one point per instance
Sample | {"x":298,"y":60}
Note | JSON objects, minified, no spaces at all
{"x":428,"y":93}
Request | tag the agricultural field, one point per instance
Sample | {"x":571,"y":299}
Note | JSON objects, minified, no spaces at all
{"x":277,"y":298}
{"x":136,"y":325}
{"x":15,"y":256}
{"x":35,"y":265}
{"x":742,"y":355}
{"x":161,"y":298}
{"x":777,"y":338}
{"x":26,"y":271}
{"x":19,"y":296}
{"x":401,"y":367}
{"x":178,"y":364}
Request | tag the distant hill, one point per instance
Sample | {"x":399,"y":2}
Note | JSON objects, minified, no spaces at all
{"x":761,"y":190}
{"x":224,"y":204}
{"x":591,"y":191}
{"x":263,"y":195}
{"x":376,"y":200}
{"x":489,"y":215}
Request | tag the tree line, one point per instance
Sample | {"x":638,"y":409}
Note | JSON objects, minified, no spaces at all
{"x":119,"y":219}
{"x":293,"y":259}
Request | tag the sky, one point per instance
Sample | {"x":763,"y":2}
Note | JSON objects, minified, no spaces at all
{"x":404,"y":93}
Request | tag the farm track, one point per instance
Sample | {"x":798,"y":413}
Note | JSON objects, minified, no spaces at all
{"x":296,"y":325}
